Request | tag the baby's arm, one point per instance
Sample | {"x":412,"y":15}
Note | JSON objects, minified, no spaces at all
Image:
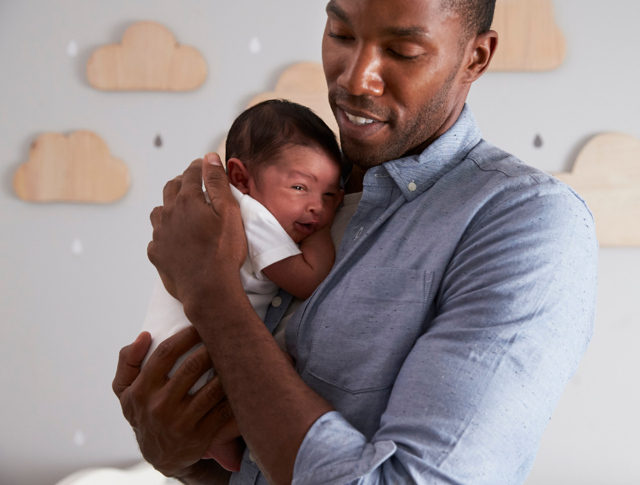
{"x":300,"y":275}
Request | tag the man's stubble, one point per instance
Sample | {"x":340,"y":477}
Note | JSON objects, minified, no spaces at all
{"x":429,"y":119}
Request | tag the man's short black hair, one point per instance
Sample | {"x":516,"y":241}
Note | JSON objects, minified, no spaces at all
{"x":476,"y":15}
{"x":261,"y":133}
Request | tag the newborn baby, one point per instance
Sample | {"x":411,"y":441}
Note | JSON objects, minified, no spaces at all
{"x":283,"y":164}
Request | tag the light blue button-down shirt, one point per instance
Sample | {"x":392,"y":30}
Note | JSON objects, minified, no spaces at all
{"x":459,"y":306}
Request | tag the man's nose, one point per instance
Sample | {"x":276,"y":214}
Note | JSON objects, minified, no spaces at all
{"x":362,"y":75}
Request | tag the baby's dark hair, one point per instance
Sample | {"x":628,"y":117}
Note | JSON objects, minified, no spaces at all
{"x":261,"y":133}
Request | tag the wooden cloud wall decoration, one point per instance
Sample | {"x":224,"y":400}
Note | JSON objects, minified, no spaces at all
{"x":529,"y":37}
{"x":302,"y":83}
{"x":74,"y":168}
{"x":148,"y":59}
{"x":607,"y":176}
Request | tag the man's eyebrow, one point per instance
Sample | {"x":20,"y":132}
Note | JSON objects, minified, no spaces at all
{"x":334,"y":9}
{"x":416,"y":31}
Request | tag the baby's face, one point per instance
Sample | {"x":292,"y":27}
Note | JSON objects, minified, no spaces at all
{"x":302,"y":190}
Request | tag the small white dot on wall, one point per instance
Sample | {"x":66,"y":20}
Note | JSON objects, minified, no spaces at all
{"x":72,"y":49}
{"x":255,"y":46}
{"x":77,"y":247}
{"x":78,"y":438}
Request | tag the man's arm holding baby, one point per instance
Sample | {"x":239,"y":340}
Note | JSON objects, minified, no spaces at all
{"x":274,"y":408}
{"x":300,"y":275}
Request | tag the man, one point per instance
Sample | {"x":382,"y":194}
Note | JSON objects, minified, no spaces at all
{"x":459,"y":306}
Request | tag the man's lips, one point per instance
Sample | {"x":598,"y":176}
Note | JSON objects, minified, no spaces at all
{"x":359,"y":117}
{"x":358,"y":124}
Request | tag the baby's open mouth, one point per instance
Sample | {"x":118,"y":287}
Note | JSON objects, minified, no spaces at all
{"x":305,"y":229}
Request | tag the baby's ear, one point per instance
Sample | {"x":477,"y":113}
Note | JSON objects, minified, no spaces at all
{"x":238,"y":175}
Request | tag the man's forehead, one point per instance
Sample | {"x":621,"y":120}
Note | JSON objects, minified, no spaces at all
{"x":396,"y":17}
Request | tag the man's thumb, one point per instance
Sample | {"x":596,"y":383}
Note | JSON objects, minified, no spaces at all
{"x":214,"y":176}
{"x":213,"y":159}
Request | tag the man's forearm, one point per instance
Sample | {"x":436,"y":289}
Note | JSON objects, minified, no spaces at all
{"x":273,"y":406}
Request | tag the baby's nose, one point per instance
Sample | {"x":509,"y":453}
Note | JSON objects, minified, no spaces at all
{"x":316,"y":206}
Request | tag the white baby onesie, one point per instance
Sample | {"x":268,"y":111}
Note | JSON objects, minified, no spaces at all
{"x":267,"y":243}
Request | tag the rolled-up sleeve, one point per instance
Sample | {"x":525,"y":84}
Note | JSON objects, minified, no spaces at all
{"x":331,"y":433}
{"x":514,"y":315}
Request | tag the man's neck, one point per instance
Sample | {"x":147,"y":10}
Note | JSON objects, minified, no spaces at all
{"x":356,"y":179}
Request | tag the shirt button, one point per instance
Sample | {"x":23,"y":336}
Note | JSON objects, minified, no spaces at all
{"x":252,"y":458}
{"x":276,"y":302}
{"x":412,"y":187}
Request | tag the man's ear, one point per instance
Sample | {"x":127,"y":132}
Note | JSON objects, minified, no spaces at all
{"x":238,"y":175}
{"x":483,"y":47}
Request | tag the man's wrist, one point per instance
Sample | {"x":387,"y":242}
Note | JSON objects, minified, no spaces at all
{"x":222,"y":291}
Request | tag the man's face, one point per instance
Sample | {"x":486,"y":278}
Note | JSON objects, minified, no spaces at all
{"x":391,"y":68}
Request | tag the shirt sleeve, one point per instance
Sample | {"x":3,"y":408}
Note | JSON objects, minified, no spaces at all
{"x":267,"y":241}
{"x":513,"y":317}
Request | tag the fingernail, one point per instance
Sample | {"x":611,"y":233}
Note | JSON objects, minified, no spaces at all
{"x":212,"y":159}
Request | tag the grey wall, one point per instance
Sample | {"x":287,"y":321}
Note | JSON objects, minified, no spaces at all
{"x":64,"y":316}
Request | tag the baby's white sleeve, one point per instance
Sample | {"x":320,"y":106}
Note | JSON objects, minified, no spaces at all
{"x":267,"y":241}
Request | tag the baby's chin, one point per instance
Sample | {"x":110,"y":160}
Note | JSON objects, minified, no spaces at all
{"x":296,"y":236}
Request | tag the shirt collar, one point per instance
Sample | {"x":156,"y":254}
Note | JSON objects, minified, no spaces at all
{"x":415,"y":174}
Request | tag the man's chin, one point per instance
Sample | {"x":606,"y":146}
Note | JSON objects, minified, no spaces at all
{"x":366,"y":155}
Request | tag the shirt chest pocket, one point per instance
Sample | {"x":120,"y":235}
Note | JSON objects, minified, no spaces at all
{"x":368,"y":325}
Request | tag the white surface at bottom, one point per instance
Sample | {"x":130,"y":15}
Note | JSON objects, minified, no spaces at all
{"x":140,"y":474}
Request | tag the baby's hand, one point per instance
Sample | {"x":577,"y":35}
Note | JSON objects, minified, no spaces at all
{"x":321,"y":232}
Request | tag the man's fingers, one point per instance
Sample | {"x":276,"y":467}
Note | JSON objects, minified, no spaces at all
{"x":155,"y":216}
{"x":168,"y":352}
{"x":218,"y":417}
{"x":189,"y":372}
{"x":192,"y":179}
{"x":207,"y":398}
{"x":129,"y":362}
{"x":228,"y":431}
{"x":171,"y":189}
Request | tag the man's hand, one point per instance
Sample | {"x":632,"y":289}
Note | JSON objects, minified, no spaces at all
{"x":194,"y":243}
{"x":173,"y":428}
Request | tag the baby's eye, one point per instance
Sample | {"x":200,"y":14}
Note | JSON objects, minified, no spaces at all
{"x":298,"y":187}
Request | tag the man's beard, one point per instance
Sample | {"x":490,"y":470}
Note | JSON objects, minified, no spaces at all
{"x":429,"y":119}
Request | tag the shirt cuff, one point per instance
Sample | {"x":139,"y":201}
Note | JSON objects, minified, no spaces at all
{"x":334,"y":452}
